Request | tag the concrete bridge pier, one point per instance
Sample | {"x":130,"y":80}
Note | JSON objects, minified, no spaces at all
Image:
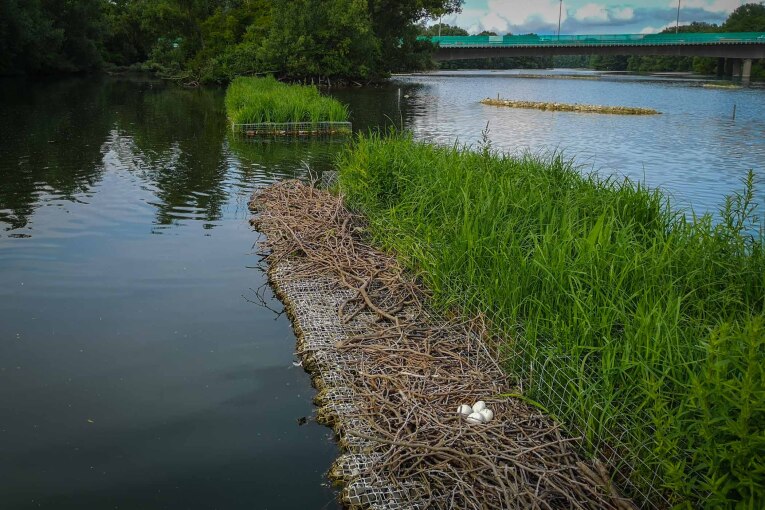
{"x":728,"y":68}
{"x":746,"y":72}
{"x":736,"y":71}
{"x":721,"y":67}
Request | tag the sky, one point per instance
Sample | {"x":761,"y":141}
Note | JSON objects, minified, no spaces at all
{"x":586,"y":16}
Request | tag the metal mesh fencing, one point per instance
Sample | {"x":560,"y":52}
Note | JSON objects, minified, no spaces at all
{"x":391,"y":373}
{"x":292,"y":129}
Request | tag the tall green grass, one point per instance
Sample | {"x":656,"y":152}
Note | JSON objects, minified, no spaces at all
{"x":257,"y":100}
{"x":634,"y":325}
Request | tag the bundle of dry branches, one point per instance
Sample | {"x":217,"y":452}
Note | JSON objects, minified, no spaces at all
{"x":391,"y":374}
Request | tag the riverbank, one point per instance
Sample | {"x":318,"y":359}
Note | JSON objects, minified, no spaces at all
{"x":638,"y":328}
{"x":392,"y":373}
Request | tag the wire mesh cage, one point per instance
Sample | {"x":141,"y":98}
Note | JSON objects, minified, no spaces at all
{"x":292,"y":128}
{"x":389,"y":388}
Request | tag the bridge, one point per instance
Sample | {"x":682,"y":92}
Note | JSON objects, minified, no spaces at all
{"x":735,"y":49}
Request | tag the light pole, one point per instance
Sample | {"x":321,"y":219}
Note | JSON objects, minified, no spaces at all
{"x":560,"y":10}
{"x":677,"y":22}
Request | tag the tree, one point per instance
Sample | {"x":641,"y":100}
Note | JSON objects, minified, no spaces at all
{"x":82,"y":27}
{"x":40,"y":36}
{"x":322,"y":38}
{"x":393,"y":23}
{"x":655,"y":63}
{"x":609,"y":62}
{"x":25,"y":33}
{"x":747,"y":18}
{"x":444,"y":29}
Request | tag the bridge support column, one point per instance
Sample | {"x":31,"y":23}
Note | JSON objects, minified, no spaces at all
{"x":720,"y":67}
{"x":746,"y":72}
{"x":736,"y":74}
{"x":728,"y":70}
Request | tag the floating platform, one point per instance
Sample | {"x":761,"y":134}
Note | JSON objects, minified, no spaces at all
{"x":565,"y":107}
{"x":292,"y":129}
{"x":391,"y":374}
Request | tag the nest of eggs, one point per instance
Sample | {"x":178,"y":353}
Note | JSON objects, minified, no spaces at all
{"x":391,"y":373}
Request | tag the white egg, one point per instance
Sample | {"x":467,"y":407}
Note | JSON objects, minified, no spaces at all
{"x":464,"y":409}
{"x":475,"y":418}
{"x":487,"y":414}
{"x":479,"y":406}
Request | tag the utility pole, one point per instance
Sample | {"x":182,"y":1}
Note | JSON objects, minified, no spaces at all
{"x":677,"y":22}
{"x":560,"y":10}
{"x":439,"y":24}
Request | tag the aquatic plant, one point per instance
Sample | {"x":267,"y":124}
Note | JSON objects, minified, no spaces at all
{"x":258,"y":100}
{"x":639,"y":327}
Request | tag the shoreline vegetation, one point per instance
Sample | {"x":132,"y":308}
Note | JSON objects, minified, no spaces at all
{"x":391,"y":375}
{"x":265,"y":106}
{"x":638,"y":327}
{"x":328,"y":41}
{"x":565,"y":107}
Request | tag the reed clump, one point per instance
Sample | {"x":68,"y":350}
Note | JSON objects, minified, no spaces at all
{"x":266,"y":100}
{"x":640,"y":328}
{"x":565,"y":107}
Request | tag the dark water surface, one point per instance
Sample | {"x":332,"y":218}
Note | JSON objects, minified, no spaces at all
{"x":139,"y":367}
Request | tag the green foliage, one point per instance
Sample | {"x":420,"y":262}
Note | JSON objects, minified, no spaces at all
{"x":215,"y":40}
{"x":443,"y":29}
{"x":315,"y":38}
{"x":659,"y":63}
{"x":25,"y":32}
{"x":255,"y":100}
{"x":571,"y":61}
{"x":638,"y":327}
{"x":41,"y":36}
{"x":500,"y":63}
{"x":747,"y":18}
{"x":393,"y":23}
{"x":609,"y":62}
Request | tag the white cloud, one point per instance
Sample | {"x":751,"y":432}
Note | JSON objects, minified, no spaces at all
{"x":725,"y":6}
{"x":591,"y":12}
{"x":503,"y":15}
{"x":595,"y":13}
{"x":494,"y":22}
{"x":584,"y":16}
{"x":624,"y":14}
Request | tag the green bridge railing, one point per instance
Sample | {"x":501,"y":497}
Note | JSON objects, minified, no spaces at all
{"x":491,"y":41}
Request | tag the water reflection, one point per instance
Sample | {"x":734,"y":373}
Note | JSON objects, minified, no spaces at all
{"x":382,"y":108}
{"x":50,"y":144}
{"x":274,"y":158}
{"x":134,"y":371}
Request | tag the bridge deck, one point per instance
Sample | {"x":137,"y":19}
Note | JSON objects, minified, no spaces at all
{"x":597,"y":41}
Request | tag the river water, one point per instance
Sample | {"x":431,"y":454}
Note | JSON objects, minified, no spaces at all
{"x":144,"y":362}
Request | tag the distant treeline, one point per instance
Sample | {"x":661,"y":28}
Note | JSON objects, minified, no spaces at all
{"x":747,"y":18}
{"x":198,"y":41}
{"x":216,"y":40}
